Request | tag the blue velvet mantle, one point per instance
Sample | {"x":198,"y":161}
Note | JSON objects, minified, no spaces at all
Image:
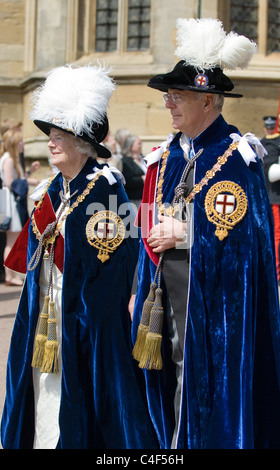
{"x":231,"y":394}
{"x":103,"y":403}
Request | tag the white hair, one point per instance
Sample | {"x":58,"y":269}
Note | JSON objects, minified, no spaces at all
{"x":85,"y":148}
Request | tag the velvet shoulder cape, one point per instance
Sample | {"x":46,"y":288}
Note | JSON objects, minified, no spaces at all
{"x":231,"y":394}
{"x":102,"y":399}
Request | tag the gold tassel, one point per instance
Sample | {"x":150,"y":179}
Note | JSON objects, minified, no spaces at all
{"x":49,"y":363}
{"x":151,"y":357}
{"x":152,"y":353}
{"x":50,"y":358}
{"x":143,"y":327}
{"x":41,"y":336}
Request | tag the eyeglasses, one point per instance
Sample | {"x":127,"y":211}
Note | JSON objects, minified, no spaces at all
{"x":176,"y":98}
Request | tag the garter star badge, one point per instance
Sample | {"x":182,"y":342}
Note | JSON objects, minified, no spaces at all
{"x":225,"y":206}
{"x":105,"y":231}
{"x":201,"y":80}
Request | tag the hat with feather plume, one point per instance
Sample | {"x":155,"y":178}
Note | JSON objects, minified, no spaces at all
{"x":75,"y":99}
{"x":205,"y":51}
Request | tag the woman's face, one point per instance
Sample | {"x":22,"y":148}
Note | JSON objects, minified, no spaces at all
{"x":136,"y":146}
{"x":64,"y":154}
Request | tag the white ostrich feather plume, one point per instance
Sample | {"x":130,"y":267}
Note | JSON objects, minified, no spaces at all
{"x":204,"y":44}
{"x":74,"y":97}
{"x":237,"y":52}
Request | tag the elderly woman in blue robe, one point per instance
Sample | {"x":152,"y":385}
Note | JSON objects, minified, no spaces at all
{"x":71,"y":379}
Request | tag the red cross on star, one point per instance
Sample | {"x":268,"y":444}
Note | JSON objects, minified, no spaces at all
{"x":105,"y":230}
{"x":201,"y":80}
{"x":225,"y":203}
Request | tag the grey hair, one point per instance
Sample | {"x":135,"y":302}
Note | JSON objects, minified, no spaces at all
{"x":122,"y":134}
{"x":218,"y":101}
{"x":126,"y":147}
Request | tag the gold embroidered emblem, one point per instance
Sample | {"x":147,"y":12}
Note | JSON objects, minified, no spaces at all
{"x":105,"y":231}
{"x":225,"y":206}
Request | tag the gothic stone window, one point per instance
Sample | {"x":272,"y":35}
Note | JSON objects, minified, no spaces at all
{"x":138,"y":33}
{"x":259,"y":20}
{"x":244,"y":18}
{"x":122,"y":25}
{"x":106,"y":25}
{"x":273,"y":32}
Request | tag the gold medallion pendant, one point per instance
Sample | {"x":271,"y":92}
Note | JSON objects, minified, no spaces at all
{"x":225,"y":205}
{"x":105,"y":231}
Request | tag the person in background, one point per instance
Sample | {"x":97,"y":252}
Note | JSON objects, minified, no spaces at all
{"x":120,"y":136}
{"x":134,"y":169}
{"x":15,"y":125}
{"x":206,"y":322}
{"x":12,"y":123}
{"x":269,"y":126}
{"x":116,"y":158}
{"x":2,"y":247}
{"x":11,"y":171}
{"x":271,"y":168}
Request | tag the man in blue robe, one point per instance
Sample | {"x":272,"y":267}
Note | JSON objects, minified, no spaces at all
{"x":206,"y":322}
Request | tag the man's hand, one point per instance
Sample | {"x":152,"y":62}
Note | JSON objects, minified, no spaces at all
{"x":167,"y":234}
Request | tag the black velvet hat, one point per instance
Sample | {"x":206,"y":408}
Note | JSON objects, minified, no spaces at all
{"x":186,"y":77}
{"x":98,"y":134}
{"x":75,"y":100}
{"x":204,"y":51}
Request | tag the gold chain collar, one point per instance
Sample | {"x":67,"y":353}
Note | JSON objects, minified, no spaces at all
{"x":198,"y":187}
{"x":75,"y":204}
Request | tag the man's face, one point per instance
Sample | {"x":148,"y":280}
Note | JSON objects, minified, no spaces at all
{"x":269,"y":131}
{"x":187,"y":111}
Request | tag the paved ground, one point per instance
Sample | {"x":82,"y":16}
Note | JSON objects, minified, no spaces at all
{"x":9,"y":298}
